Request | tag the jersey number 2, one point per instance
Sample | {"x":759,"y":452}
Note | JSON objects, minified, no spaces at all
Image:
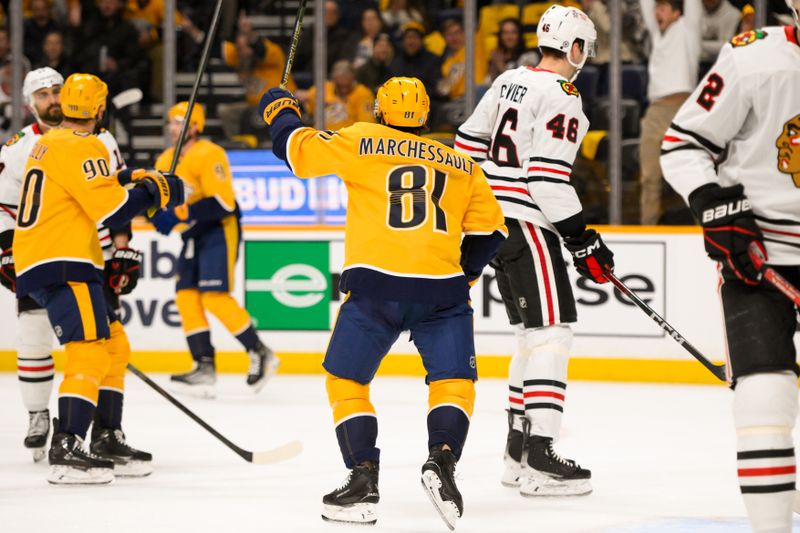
{"x":31,"y":200}
{"x":712,"y":88}
{"x":408,"y":199}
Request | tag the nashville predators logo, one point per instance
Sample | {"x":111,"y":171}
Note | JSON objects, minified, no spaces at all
{"x":789,"y":149}
{"x":748,"y":37}
{"x":568,"y":88}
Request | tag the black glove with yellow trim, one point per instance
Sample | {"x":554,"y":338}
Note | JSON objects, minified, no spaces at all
{"x":166,"y":189}
{"x":276,"y":101}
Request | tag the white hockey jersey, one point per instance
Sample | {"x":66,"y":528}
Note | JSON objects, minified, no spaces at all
{"x":525,"y":133}
{"x":13,"y":158}
{"x":742,"y":125}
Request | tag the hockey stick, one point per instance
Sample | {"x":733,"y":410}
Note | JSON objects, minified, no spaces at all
{"x":298,"y":29}
{"x":768,"y":273}
{"x":719,"y":371}
{"x":281,"y":453}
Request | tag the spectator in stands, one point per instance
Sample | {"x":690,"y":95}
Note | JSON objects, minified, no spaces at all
{"x":36,"y":27}
{"x":53,"y":54}
{"x":351,"y":10}
{"x":510,"y":52}
{"x":371,"y":26}
{"x":375,"y":72}
{"x":340,"y":44}
{"x":400,"y":12}
{"x":414,"y":61}
{"x":720,"y":23}
{"x":346,"y":101}
{"x":5,"y":81}
{"x":107,"y":44}
{"x":748,"y":21}
{"x":452,"y":85}
{"x":675,"y":30}
{"x":259,"y":64}
{"x":597,"y":11}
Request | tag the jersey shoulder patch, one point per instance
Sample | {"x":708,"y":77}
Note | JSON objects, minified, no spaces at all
{"x":568,"y":88}
{"x":15,"y":138}
{"x":748,"y":37}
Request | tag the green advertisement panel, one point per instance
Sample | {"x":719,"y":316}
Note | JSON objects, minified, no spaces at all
{"x":287,"y":284}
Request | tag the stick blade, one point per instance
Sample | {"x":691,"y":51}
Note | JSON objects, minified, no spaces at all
{"x":127,"y":98}
{"x":279,"y":454}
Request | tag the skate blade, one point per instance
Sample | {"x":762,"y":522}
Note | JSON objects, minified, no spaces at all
{"x":538,"y":485}
{"x":511,"y":475}
{"x":38,"y":454}
{"x":67,"y":475}
{"x":358,"y":513}
{"x":133,"y":469}
{"x":447,"y":510}
{"x":206,"y":392}
{"x":272,"y":368}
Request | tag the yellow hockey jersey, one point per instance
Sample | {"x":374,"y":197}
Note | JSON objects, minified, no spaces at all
{"x":410,"y":201}
{"x":66,"y":191}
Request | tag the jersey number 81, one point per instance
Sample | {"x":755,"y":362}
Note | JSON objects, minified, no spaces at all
{"x":408,"y":197}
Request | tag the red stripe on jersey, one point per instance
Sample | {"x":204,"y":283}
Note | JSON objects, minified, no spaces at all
{"x":515,"y":400}
{"x":468,"y":147}
{"x":35,"y":368}
{"x":545,"y":274}
{"x":671,"y":139}
{"x":36,"y":129}
{"x":767,"y":471}
{"x":537,"y":69}
{"x":789,"y":233}
{"x":548,"y":394}
{"x":551,"y":170}
{"x":791,"y":34}
{"x":510,"y":189}
{"x":9,"y":211}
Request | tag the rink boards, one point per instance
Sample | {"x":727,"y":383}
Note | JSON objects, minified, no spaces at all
{"x":287,"y":279}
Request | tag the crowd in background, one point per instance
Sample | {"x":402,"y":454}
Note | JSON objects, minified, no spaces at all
{"x":370,"y":41}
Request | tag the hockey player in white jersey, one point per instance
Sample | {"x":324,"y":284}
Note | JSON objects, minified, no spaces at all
{"x":525,"y":133}
{"x":748,"y":108}
{"x":35,"y":369}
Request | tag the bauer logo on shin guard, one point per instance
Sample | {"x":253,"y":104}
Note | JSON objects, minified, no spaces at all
{"x":726,"y":210}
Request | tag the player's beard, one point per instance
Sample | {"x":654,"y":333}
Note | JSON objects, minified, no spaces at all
{"x":52,"y":116}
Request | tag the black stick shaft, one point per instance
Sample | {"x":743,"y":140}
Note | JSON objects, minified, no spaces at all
{"x":298,"y":29}
{"x":718,"y":370}
{"x":244,"y":454}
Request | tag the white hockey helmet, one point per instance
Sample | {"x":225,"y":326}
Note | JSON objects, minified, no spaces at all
{"x":41,"y":78}
{"x":561,"y":26}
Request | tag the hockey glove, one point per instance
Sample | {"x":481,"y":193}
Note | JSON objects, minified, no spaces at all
{"x":591,"y":256}
{"x":729,"y":227}
{"x":166,"y":189}
{"x":122,"y":270}
{"x":165,"y":221}
{"x":274,"y":102}
{"x":8,"y":274}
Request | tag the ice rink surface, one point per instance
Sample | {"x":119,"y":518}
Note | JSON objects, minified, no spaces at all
{"x":662,"y":459}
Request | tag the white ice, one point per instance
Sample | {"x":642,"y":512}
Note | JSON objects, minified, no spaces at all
{"x":662,"y":459}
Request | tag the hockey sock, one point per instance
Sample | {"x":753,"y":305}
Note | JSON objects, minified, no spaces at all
{"x":88,"y":363}
{"x":200,"y":345}
{"x":249,"y":339}
{"x":516,"y":376}
{"x":195,"y":325}
{"x":74,"y":415}
{"x":34,"y":363}
{"x":235,"y":319}
{"x":450,"y":403}
{"x":109,"y":409}
{"x":765,"y":408}
{"x":545,"y":382}
{"x":354,"y":416}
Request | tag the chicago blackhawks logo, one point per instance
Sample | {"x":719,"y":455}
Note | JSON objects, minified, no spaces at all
{"x":748,"y":37}
{"x":568,"y":88}
{"x":789,"y":149}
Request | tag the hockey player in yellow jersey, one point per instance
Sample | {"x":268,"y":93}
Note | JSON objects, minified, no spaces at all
{"x":67,"y":190}
{"x":422,"y":223}
{"x":209,"y":226}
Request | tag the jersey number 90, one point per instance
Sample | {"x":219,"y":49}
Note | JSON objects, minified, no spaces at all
{"x":409,"y":201}
{"x":31,"y":200}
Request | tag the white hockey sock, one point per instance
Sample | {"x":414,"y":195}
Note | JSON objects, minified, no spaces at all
{"x":516,"y":377}
{"x":765,"y":408}
{"x":34,"y":363}
{"x":545,"y":383}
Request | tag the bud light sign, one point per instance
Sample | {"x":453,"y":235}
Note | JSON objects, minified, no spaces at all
{"x":268,"y":193}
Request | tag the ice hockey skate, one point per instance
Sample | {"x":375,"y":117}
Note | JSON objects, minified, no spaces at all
{"x":38,"y":431}
{"x":355,"y":501}
{"x":72,"y":464}
{"x":263,"y":364}
{"x":438,"y":480}
{"x":199,"y":382}
{"x":110,"y":444}
{"x":513,"y":456}
{"x":547,"y":474}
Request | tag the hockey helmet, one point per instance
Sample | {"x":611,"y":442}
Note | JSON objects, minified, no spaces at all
{"x":83,"y":96}
{"x":198,"y":118}
{"x":403,"y":102}
{"x":561,"y":26}
{"x":41,"y":78}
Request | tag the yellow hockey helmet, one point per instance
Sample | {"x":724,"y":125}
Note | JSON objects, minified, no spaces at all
{"x":198,"y":118}
{"x":83,"y":96}
{"x":403,"y":102}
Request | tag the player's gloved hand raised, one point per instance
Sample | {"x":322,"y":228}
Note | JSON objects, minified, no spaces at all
{"x":591,"y":256}
{"x":166,"y":189}
{"x":122,"y":270}
{"x":729,"y":227}
{"x":8,"y":273}
{"x":275,"y":102}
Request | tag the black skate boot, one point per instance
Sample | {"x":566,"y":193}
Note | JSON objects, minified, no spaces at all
{"x":438,"y":480}
{"x":72,"y":464}
{"x":548,"y":474}
{"x":110,"y":444}
{"x":513,"y":456}
{"x":263,"y":364}
{"x":38,"y":431}
{"x":354,"y":502}
{"x":199,"y":382}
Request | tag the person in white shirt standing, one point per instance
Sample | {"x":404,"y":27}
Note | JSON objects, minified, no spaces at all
{"x":525,"y":133}
{"x":720,"y":22}
{"x":748,"y":108}
{"x":675,"y":31}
